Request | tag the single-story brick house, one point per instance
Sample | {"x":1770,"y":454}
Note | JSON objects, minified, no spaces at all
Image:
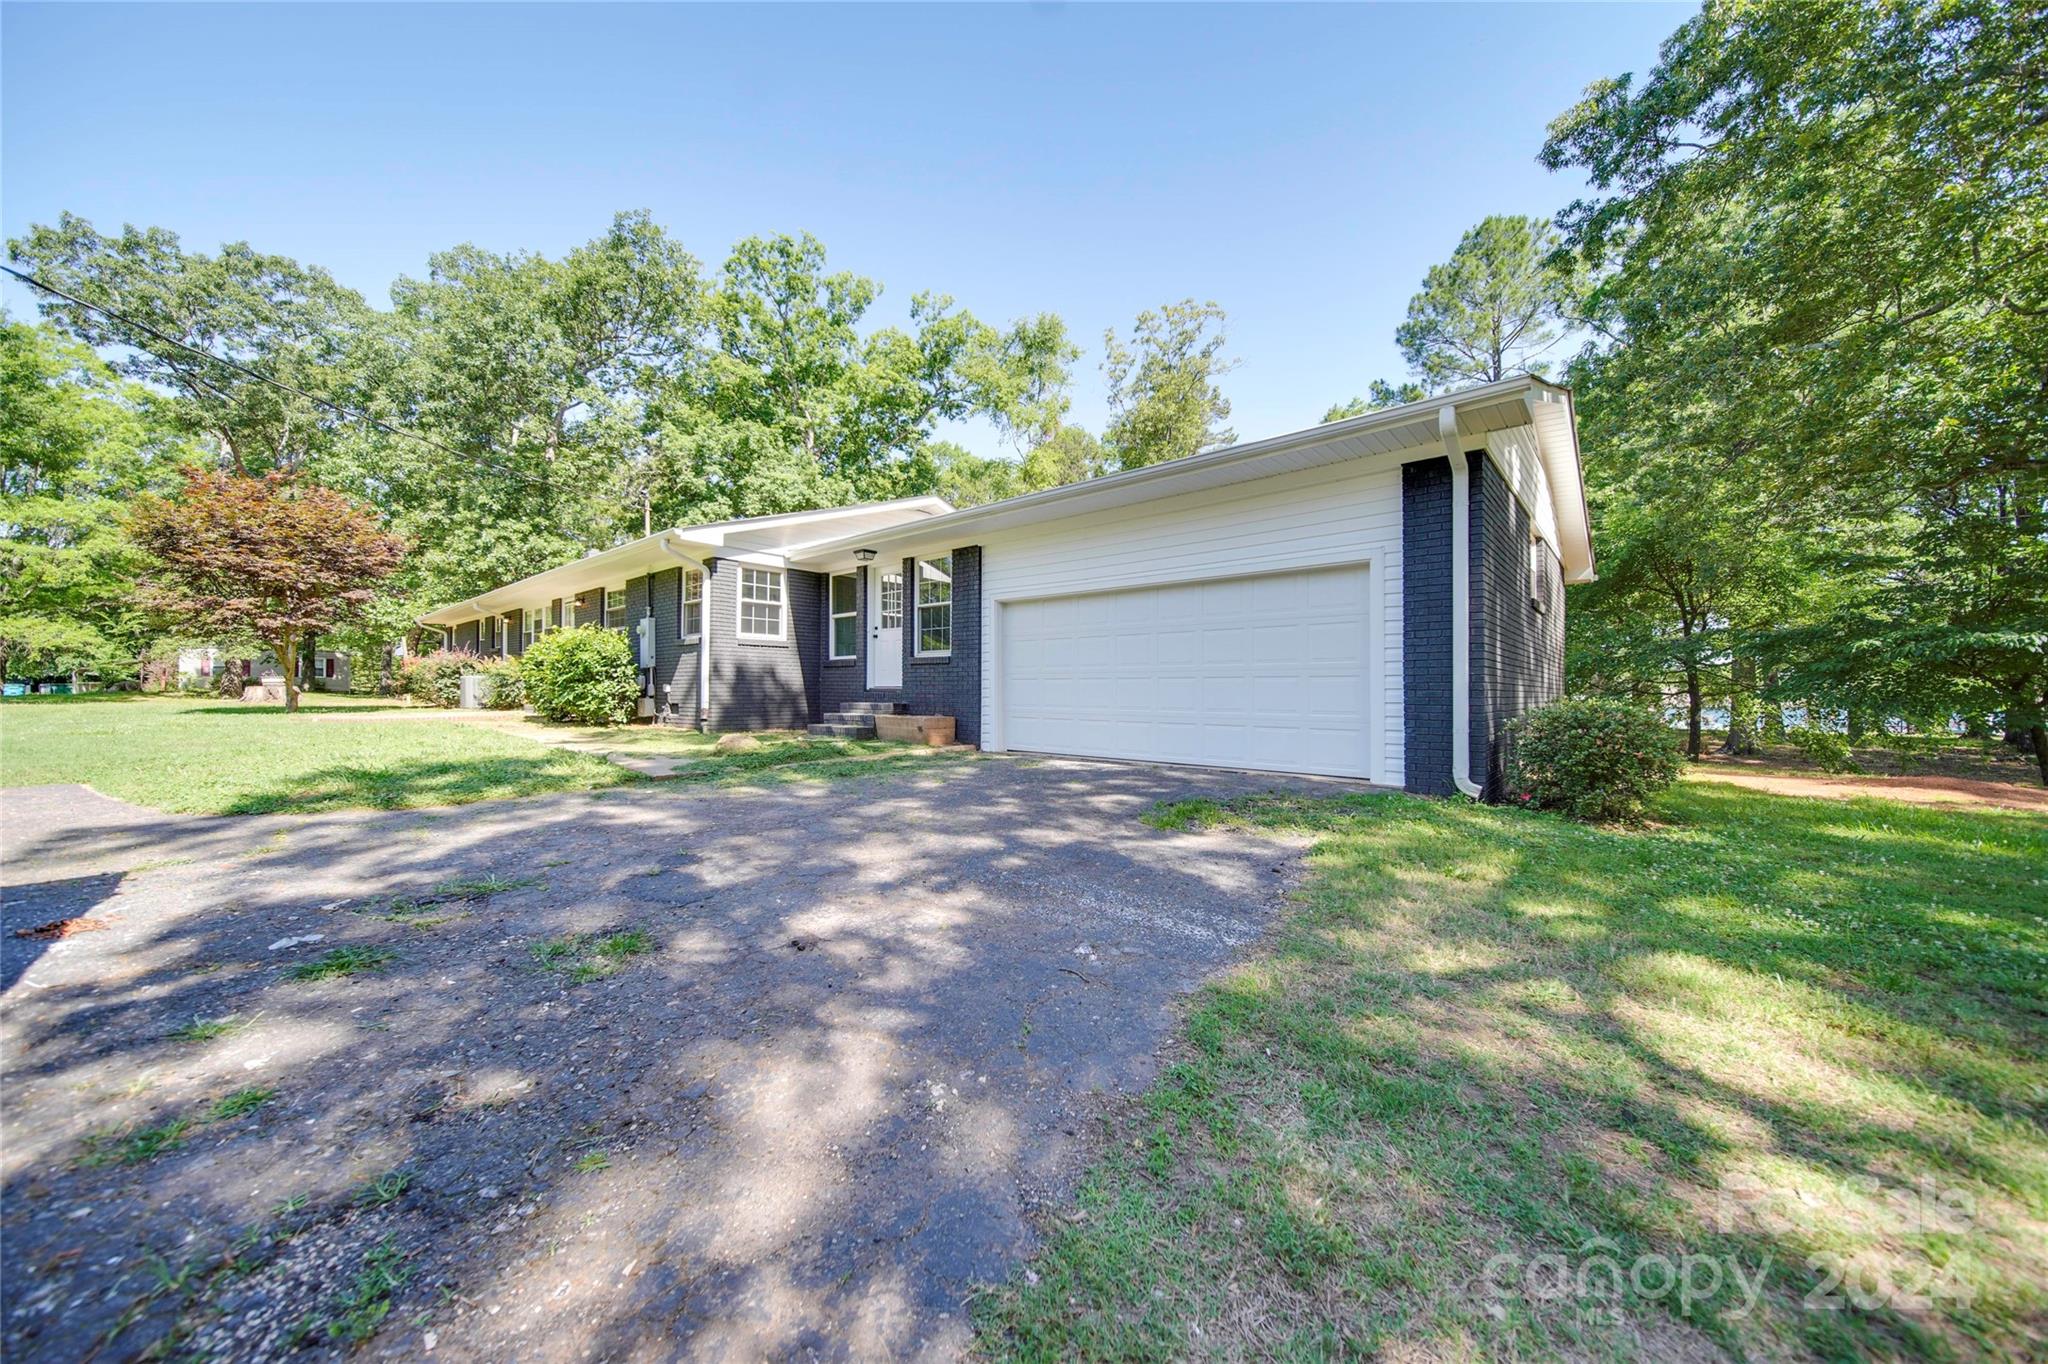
{"x":1374,"y":598}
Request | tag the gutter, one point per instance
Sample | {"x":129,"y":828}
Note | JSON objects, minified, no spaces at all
{"x":1405,"y":414}
{"x":703,"y":634}
{"x":1461,"y":602}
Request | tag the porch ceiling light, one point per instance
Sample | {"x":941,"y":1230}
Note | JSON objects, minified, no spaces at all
{"x":866,"y":556}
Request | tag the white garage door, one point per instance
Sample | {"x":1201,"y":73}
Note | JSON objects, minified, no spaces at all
{"x":1267,"y":672}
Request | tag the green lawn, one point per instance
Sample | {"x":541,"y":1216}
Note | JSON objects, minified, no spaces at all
{"x":219,"y":757}
{"x":766,"y":756}
{"x":1795,"y":1044}
{"x":222,"y":757}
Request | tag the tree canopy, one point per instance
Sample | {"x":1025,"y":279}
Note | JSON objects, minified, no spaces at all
{"x":274,"y":557}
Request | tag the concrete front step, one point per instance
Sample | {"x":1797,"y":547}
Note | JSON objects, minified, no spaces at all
{"x":871,"y":708}
{"x":833,"y":729}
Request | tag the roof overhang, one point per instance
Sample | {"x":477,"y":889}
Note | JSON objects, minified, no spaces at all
{"x":767,"y":540}
{"x":1410,"y":430}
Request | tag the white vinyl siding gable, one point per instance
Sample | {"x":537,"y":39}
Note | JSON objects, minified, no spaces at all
{"x":1330,"y":515}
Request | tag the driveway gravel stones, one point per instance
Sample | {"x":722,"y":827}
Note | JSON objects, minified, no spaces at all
{"x":862,"y":1057}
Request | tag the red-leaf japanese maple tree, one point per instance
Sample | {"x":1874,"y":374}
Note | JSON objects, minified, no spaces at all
{"x":275,"y":557}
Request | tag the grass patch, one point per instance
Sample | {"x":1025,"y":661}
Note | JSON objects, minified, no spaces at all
{"x":208,"y":1029}
{"x":1777,"y":1039}
{"x":132,"y":1147}
{"x":239,"y":1104}
{"x":386,"y":1188}
{"x":221,"y":757}
{"x":585,"y":957}
{"x":358,"y":1312}
{"x":785,"y":756}
{"x":593,"y":1162}
{"x":343,"y":961}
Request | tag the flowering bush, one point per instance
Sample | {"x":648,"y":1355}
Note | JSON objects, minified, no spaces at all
{"x":587,"y":676}
{"x":1590,"y":759}
{"x":508,"y":684}
{"x":435,"y":679}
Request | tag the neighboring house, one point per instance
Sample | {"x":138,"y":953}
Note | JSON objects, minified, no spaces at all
{"x":201,"y":666}
{"x":1370,"y":598}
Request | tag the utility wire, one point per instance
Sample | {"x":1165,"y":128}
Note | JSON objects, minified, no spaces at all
{"x":263,"y":378}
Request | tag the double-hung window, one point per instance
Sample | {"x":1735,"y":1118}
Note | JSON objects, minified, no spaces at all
{"x":935,"y":606}
{"x":1539,"y":597}
{"x":693,"y":603}
{"x":760,"y":603}
{"x":615,"y":608}
{"x":845,"y":641}
{"x":536,"y":625}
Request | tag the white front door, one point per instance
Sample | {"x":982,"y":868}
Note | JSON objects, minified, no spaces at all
{"x":885,"y":628}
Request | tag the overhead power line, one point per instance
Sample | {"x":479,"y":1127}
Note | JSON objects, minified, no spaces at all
{"x":262,"y":378}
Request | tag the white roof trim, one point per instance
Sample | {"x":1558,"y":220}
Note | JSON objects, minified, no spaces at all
{"x":613,"y":566}
{"x":1550,"y":413}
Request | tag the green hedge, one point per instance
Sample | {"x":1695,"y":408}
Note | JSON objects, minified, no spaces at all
{"x":586,"y":675}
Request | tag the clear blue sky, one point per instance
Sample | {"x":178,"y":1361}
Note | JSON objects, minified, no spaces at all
{"x":1301,"y":166}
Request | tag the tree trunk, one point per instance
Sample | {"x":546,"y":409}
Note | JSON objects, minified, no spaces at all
{"x":1742,"y":708}
{"x":1695,"y":748}
{"x":288,"y":665}
{"x":2040,"y":735}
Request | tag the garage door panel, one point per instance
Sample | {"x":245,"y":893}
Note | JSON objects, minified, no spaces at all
{"x":1251,"y":672}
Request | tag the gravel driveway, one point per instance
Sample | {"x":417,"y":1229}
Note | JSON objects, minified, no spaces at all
{"x":857,"y":1059}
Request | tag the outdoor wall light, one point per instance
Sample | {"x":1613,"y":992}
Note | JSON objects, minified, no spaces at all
{"x":866,"y":556}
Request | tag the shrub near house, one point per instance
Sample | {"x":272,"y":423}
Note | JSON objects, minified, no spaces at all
{"x":586,"y":675}
{"x":1590,"y":759}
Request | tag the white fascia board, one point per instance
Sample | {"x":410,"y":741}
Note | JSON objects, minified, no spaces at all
{"x":1165,"y":479}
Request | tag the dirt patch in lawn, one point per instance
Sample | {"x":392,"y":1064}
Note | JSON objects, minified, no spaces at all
{"x":1913,"y":788}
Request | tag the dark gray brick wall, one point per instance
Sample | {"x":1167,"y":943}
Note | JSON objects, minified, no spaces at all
{"x":590,"y":607}
{"x":1426,"y":625}
{"x":674,"y":684}
{"x":464,"y":637}
{"x":555,"y":621}
{"x":758,"y":685}
{"x":510,"y":624}
{"x":931,"y":686}
{"x":1517,"y":649}
{"x":1517,"y":652}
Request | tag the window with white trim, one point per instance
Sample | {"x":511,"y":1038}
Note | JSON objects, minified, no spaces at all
{"x":693,"y":603}
{"x":536,"y":625}
{"x":844,"y":641}
{"x":760,"y":603}
{"x":615,"y":608}
{"x":1538,"y":597}
{"x":891,"y":604}
{"x":935,"y":606}
{"x":484,"y":639}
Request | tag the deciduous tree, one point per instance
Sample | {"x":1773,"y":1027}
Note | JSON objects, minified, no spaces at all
{"x":1163,"y":396}
{"x":276,"y":557}
{"x":76,"y":444}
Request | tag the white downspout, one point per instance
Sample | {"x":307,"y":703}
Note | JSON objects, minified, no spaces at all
{"x":1461,"y":602}
{"x":703,"y":637}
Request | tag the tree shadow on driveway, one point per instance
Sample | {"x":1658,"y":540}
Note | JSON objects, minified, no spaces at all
{"x":871,"y":1037}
